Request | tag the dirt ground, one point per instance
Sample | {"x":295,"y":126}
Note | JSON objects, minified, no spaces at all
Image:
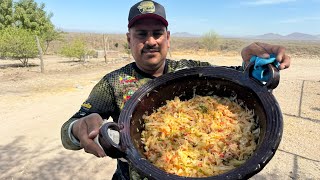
{"x":34,"y":105}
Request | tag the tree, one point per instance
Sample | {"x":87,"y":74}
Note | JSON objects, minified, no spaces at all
{"x":51,"y":35}
{"x":20,"y":22}
{"x":210,"y":40}
{"x":76,"y":49}
{"x":6,"y":13}
{"x":18,"y":44}
{"x":29,"y":15}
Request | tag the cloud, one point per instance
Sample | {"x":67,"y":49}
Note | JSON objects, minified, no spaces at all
{"x":267,"y":2}
{"x":298,"y":20}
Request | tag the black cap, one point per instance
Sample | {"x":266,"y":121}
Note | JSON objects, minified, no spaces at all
{"x":144,"y":9}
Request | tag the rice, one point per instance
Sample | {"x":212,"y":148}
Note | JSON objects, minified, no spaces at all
{"x":204,"y":136}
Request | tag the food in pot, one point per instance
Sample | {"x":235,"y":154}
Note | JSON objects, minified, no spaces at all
{"x":200,"y":137}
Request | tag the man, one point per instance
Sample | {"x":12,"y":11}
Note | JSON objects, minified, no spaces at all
{"x":149,"y":41}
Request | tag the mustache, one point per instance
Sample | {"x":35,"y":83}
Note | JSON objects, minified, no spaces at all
{"x":150,"y":49}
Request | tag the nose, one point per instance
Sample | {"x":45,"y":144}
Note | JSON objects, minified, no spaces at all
{"x":151,"y":41}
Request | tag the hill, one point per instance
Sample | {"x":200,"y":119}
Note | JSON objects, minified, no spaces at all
{"x":301,"y":36}
{"x":269,"y":36}
{"x":292,"y":36}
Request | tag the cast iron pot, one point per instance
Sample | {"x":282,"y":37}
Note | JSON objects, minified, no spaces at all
{"x":186,"y":83}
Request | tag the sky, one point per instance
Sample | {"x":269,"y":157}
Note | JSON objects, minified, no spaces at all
{"x":228,"y":17}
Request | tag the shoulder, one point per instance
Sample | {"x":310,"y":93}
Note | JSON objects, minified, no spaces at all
{"x":127,"y":69}
{"x":115,"y":76}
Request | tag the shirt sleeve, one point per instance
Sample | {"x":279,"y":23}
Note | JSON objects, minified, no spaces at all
{"x":101,"y":100}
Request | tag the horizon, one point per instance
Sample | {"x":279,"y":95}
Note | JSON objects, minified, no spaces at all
{"x":177,"y":33}
{"x":231,"y":18}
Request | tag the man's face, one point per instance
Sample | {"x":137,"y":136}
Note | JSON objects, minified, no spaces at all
{"x":149,"y":41}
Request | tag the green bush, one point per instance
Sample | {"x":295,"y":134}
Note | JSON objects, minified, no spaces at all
{"x":18,"y":44}
{"x":76,"y":49}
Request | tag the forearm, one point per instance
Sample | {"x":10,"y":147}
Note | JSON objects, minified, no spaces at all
{"x":65,"y":136}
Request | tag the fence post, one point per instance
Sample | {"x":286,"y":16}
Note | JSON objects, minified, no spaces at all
{"x":105,"y":48}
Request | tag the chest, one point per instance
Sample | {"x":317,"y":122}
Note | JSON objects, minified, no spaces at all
{"x":126,"y":86}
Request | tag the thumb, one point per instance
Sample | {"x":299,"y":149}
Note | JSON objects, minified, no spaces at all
{"x":93,"y":133}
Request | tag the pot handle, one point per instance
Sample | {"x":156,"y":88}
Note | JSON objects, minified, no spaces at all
{"x":274,"y":79}
{"x":109,"y":146}
{"x":274,"y":75}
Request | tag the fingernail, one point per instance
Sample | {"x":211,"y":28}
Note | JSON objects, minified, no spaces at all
{"x":91,"y":133}
{"x":281,"y":67}
{"x":265,"y":55}
{"x":101,"y":155}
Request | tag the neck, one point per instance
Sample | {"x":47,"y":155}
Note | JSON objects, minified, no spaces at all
{"x":154,"y":72}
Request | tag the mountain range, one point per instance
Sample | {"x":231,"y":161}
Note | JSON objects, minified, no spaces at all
{"x":292,"y":36}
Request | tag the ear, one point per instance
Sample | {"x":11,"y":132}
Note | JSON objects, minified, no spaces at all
{"x":128,"y":38}
{"x":168,"y":38}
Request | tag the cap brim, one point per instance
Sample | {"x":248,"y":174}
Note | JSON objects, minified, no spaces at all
{"x":142,"y":16}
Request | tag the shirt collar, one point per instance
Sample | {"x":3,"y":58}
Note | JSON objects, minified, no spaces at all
{"x":165,"y":70}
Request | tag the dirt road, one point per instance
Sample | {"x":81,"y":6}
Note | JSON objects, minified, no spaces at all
{"x":33,"y":106}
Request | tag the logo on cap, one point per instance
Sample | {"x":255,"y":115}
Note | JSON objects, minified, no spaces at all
{"x":146,"y":7}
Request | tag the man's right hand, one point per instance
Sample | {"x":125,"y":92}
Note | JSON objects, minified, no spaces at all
{"x":85,"y":130}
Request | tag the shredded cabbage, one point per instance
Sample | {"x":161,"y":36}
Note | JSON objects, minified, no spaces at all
{"x":204,"y":136}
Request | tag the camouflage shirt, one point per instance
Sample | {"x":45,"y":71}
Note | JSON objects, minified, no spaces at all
{"x":109,"y":95}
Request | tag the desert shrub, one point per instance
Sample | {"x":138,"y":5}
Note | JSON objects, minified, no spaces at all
{"x":210,"y":40}
{"x":76,"y":49}
{"x":17,"y":43}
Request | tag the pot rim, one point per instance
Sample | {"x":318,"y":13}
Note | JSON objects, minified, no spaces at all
{"x":262,"y":155}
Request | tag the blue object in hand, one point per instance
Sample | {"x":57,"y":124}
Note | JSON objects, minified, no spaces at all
{"x":260,"y":69}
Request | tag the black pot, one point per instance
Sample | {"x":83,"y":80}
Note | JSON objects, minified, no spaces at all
{"x":185,"y":83}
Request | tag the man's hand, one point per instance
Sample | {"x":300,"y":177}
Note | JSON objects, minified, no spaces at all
{"x":264,"y":50}
{"x":85,"y":130}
